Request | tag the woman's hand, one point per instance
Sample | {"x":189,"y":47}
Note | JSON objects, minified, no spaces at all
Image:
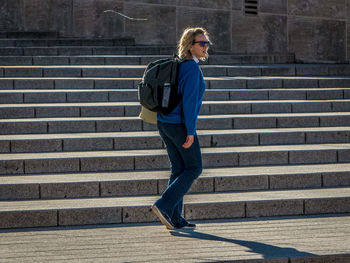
{"x":188,"y":142}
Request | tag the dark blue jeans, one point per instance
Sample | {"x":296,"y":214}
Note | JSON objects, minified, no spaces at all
{"x":185,"y":166}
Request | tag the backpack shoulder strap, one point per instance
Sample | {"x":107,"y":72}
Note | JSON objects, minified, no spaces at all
{"x":181,"y":60}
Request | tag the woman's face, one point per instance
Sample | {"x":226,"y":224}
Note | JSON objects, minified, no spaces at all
{"x":200,"y":46}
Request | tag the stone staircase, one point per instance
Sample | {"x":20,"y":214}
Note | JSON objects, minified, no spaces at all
{"x":275,"y":136}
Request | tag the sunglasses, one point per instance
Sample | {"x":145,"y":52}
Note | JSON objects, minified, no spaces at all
{"x":203,"y":43}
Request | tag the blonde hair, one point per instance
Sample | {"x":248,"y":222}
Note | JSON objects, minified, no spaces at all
{"x":187,"y":39}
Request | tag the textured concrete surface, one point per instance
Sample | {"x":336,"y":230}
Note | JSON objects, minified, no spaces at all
{"x":157,"y":159}
{"x":139,"y":183}
{"x":196,"y":207}
{"x":258,"y":120}
{"x":213,"y":122}
{"x":276,"y":28}
{"x":134,"y":71}
{"x":238,"y":82}
{"x":270,"y":240}
{"x":113,"y":59}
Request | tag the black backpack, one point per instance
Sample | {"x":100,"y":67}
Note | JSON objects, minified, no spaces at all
{"x":158,"y":89}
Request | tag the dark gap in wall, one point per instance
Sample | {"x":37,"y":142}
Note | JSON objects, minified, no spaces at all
{"x":251,"y":7}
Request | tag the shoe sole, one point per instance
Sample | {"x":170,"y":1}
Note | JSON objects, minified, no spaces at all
{"x":188,"y":227}
{"x":162,"y":218}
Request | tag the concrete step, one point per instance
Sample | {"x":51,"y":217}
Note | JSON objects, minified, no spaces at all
{"x":128,"y":95}
{"x":120,"y":109}
{"x":86,"y":95}
{"x":228,"y":59}
{"x":151,"y":140}
{"x":67,"y":42}
{"x":262,"y":82}
{"x":68,"y":83}
{"x":68,"y":212}
{"x":208,"y":70}
{"x":130,"y":60}
{"x":141,"y":183}
{"x":28,"y":35}
{"x":317,"y":239}
{"x":86,"y":50}
{"x":92,"y":161}
{"x":205,"y":122}
{"x":122,"y":56}
{"x":79,"y":60}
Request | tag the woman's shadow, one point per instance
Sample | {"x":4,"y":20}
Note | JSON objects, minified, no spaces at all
{"x":267,"y":251}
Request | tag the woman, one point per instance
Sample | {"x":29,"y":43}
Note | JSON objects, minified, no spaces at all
{"x":178,"y":130}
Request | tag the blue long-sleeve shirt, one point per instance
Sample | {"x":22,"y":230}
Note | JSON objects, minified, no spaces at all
{"x":191,"y":85}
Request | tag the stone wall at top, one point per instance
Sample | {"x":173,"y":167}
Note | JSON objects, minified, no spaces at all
{"x":315,"y":30}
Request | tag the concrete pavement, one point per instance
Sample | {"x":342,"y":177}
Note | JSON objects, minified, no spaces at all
{"x":263,"y":240}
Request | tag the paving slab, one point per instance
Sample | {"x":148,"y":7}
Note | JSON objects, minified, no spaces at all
{"x":47,"y":60}
{"x":44,"y":96}
{"x":16,"y":60}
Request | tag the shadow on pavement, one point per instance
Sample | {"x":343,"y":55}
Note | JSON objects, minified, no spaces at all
{"x":267,"y":251}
